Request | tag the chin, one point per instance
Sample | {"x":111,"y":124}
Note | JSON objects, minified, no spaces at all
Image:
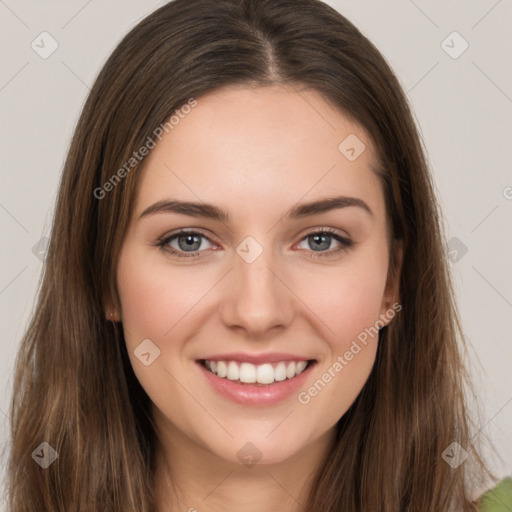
{"x":251,"y":450}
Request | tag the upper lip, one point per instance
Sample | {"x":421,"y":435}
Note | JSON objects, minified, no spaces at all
{"x":241,"y":357}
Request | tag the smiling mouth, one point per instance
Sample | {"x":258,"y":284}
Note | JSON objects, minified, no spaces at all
{"x":261,"y":374}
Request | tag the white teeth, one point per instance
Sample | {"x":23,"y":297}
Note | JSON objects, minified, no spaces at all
{"x":264,"y":373}
{"x":233,"y":371}
{"x":249,"y":373}
{"x":221,"y":369}
{"x":290,"y":370}
{"x":299,"y":368}
{"x":280,"y":372}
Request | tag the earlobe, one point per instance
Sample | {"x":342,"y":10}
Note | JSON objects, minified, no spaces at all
{"x":391,"y":296}
{"x":111,"y":313}
{"x":112,"y":316}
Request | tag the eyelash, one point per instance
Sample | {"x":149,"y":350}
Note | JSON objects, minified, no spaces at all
{"x":346,"y":243}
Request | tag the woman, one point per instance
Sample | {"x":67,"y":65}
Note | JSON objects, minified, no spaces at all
{"x":303,"y":355}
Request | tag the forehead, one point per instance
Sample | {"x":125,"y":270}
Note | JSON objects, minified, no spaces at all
{"x":272,"y":146}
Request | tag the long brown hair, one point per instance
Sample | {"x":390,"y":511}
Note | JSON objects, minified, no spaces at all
{"x":74,"y":386}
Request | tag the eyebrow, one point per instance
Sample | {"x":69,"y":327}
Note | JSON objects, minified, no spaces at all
{"x":210,"y":211}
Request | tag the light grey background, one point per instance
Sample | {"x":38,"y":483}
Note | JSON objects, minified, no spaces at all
{"x":463,"y":106}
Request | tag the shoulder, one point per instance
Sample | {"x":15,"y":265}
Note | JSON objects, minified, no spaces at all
{"x":497,"y":499}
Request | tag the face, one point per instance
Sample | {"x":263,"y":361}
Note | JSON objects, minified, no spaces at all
{"x":265,"y":288}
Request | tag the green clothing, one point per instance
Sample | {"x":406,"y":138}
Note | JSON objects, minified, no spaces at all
{"x":498,"y":499}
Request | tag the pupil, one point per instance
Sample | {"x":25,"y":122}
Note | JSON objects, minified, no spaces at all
{"x":316,"y":238}
{"x":190,"y":241}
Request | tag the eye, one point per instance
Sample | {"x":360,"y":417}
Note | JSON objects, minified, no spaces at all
{"x":185,"y":244}
{"x":189,"y":244}
{"x":319,"y":241}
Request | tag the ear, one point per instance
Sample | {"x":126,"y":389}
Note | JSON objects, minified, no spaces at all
{"x":392,"y":291}
{"x":111,"y":312}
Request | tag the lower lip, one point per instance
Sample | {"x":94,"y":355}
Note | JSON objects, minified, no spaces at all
{"x":256,"y":395}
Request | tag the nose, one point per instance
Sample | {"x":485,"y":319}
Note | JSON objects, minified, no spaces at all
{"x":256,"y":298}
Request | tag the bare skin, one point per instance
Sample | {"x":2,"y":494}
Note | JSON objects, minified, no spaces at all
{"x":256,"y":153}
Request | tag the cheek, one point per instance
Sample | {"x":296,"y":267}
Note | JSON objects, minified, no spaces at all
{"x":346,"y":299}
{"x":348,"y":302}
{"x":157,"y":303}
{"x":351,"y":344}
{"x":155,"y":299}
